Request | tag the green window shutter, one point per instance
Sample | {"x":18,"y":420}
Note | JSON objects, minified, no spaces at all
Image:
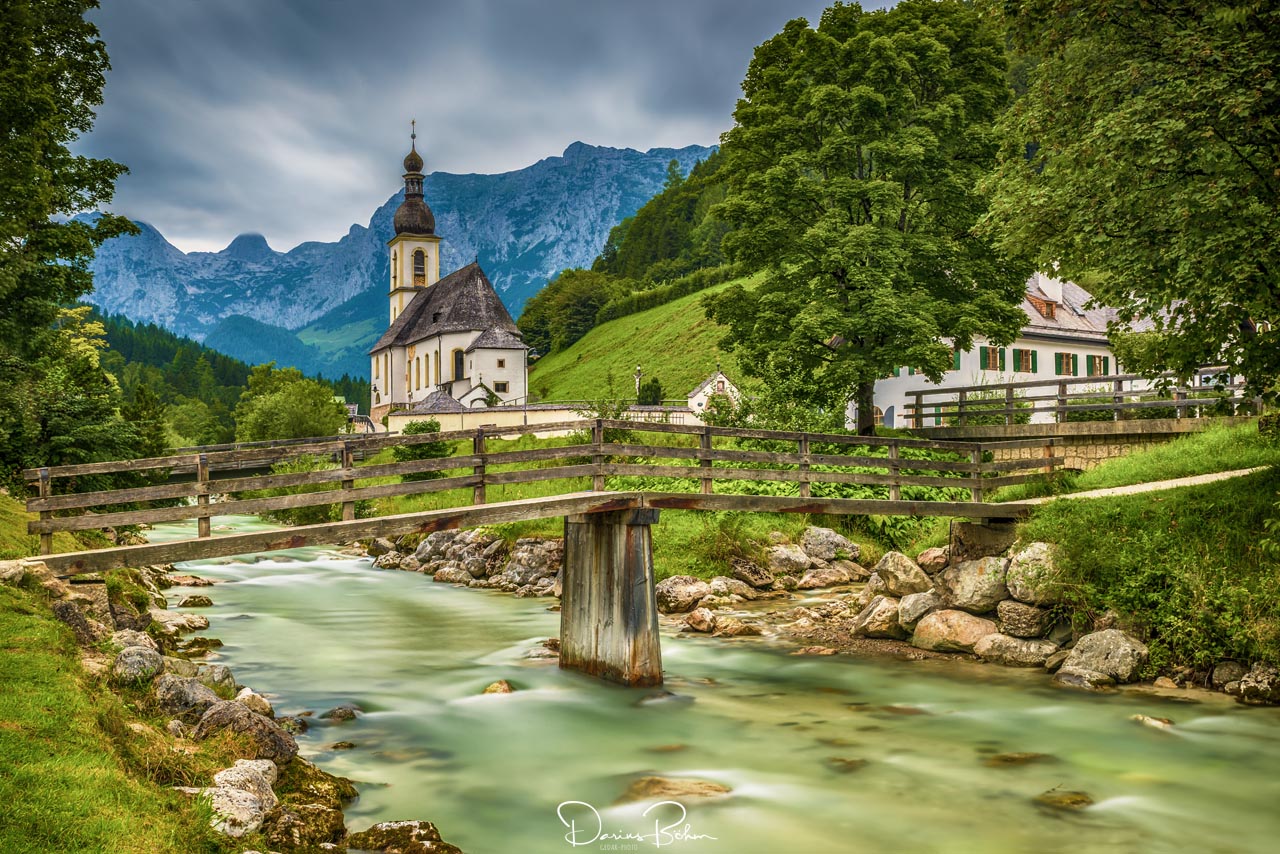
{"x":1106,"y":365}
{"x":1002,"y":358}
{"x":897,"y":372}
{"x":1017,"y":359}
{"x":1088,"y":365}
{"x":984,"y":359}
{"x":911,"y":372}
{"x":1035,"y":363}
{"x":1075,"y":365}
{"x":955,"y":362}
{"x":1057,"y":364}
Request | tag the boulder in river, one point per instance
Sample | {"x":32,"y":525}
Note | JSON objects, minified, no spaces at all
{"x":1033,"y":576}
{"x":305,"y":827}
{"x":1080,"y":677}
{"x":1225,"y":672}
{"x":701,"y":620}
{"x":976,"y":586}
{"x":1022,"y":620}
{"x":672,"y":788}
{"x":1057,"y":799}
{"x":879,"y":620}
{"x":1014,"y":652}
{"x":183,"y":696}
{"x":900,"y":575}
{"x":680,"y":593}
{"x":502,"y":686}
{"x":255,"y":702}
{"x":1111,"y":652}
{"x":951,"y":631}
{"x":136,"y":664}
{"x":786,"y":559}
{"x":826,"y":576}
{"x":914,"y":606}
{"x":402,"y":837}
{"x":722,"y":585}
{"x":826,"y":544}
{"x":173,"y":623}
{"x":129,"y":637}
{"x":269,"y":740}
{"x":1260,"y":686}
{"x":218,"y":677}
{"x":933,"y":560}
{"x":195,"y":601}
{"x":452,"y":575}
{"x":751,"y":573}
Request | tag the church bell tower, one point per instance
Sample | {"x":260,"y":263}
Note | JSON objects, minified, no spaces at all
{"x":415,"y":249}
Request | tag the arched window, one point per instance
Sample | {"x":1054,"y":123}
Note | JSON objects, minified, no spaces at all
{"x":395,"y":267}
{"x":419,"y":267}
{"x":377,"y":368}
{"x":417,"y":369}
{"x":458,"y":364}
{"x":426,"y":368}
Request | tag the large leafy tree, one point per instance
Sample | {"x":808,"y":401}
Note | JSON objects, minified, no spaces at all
{"x":853,"y":167}
{"x":280,"y":403}
{"x":1145,"y":158}
{"x":53,"y":393}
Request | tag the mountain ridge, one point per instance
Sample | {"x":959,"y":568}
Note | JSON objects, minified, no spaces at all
{"x":525,"y":226}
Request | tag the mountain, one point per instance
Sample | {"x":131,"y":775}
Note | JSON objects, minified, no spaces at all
{"x":320,"y":306}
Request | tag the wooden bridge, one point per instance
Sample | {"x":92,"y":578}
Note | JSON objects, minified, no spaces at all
{"x":607,"y":486}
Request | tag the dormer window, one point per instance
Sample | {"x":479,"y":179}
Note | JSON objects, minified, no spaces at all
{"x":419,"y":267}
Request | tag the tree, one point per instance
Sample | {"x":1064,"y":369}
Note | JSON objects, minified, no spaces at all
{"x":422,"y":451}
{"x":566,"y":308}
{"x":651,"y":393}
{"x":282,"y":404}
{"x":52,"y":67}
{"x":1145,"y":158}
{"x":852,"y":169}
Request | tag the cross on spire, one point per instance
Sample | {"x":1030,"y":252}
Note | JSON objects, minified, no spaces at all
{"x":413,"y":132}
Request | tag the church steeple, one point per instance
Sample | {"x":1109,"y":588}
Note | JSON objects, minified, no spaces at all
{"x":415,"y":248}
{"x":413,"y":216}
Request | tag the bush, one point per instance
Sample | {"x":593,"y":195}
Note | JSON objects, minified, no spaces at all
{"x":423,"y":451}
{"x":1269,"y":428}
{"x":306,"y":515}
{"x":651,"y":392}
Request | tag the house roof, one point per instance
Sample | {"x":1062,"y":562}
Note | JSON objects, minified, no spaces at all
{"x":497,"y":339}
{"x":462,"y":301}
{"x":437,"y":401}
{"x":708,"y":381}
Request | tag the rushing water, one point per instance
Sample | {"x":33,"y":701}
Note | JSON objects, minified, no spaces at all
{"x":313,"y":629}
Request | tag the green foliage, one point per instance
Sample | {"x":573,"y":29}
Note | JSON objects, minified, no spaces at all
{"x":852,"y":170}
{"x":648,"y":298}
{"x":651,"y":392}
{"x":424,"y":451}
{"x":1269,"y":428}
{"x":565,"y":310}
{"x":282,"y":404}
{"x":1144,"y":155}
{"x":1185,"y":571}
{"x":314,"y":515}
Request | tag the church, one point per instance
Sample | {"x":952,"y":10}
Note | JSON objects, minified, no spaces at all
{"x":450,"y":344}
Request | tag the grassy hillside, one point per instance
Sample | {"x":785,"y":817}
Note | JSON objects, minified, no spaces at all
{"x":674,"y":342}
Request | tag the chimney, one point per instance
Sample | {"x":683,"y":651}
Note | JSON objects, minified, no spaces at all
{"x":1050,"y":287}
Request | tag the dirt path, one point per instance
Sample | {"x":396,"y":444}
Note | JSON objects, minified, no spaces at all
{"x":1156,"y":486}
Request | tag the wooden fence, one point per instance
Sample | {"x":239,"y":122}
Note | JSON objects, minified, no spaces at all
{"x":1063,"y":399}
{"x":210,"y":481}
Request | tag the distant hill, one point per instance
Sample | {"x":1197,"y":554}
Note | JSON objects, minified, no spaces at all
{"x":674,"y":342}
{"x":320,"y":306}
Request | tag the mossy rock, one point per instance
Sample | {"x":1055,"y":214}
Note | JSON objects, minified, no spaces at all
{"x":301,"y":782}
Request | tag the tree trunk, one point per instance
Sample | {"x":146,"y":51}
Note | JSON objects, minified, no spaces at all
{"x":866,"y":398}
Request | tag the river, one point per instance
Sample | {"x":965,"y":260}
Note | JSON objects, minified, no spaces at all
{"x":314,"y":629}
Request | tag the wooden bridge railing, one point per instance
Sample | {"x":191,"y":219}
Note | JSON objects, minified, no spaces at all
{"x":688,"y":455}
{"x":1071,"y":398}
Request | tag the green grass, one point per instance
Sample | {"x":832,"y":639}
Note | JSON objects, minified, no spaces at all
{"x":1183,"y":567}
{"x":1215,"y":449}
{"x":15,"y":542}
{"x":674,"y":342}
{"x":71,"y":762}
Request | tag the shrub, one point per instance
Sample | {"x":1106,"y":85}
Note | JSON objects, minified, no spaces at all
{"x":422,"y":451}
{"x":306,"y":515}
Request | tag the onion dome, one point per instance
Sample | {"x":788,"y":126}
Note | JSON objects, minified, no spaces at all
{"x":413,"y":216}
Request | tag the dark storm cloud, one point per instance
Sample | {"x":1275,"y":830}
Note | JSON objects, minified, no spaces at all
{"x":289,"y":117}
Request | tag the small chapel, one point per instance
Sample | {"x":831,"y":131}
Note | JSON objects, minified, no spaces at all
{"x":450,"y":344}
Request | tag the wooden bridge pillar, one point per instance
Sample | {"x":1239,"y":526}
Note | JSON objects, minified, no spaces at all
{"x":609,"y":613}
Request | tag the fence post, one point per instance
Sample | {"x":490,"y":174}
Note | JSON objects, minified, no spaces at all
{"x":917,"y":415}
{"x":704,"y":460}
{"x":1180,"y":403}
{"x":1117,"y":397}
{"x":46,"y":490}
{"x":975,"y":489}
{"x":597,"y":460}
{"x":348,"y":463}
{"x":1048,"y":455}
{"x":1060,"y":411}
{"x":895,"y":489}
{"x":1008,"y":406}
{"x":477,"y":448}
{"x":804,"y":465}
{"x":203,"y":523}
{"x":962,"y":403}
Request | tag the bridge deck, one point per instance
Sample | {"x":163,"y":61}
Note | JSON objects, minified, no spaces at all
{"x":329,"y":533}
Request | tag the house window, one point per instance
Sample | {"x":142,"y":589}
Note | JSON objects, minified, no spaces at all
{"x":1066,"y":364}
{"x":395,"y":268}
{"x":417,"y":370}
{"x":720,"y":386}
{"x":459,"y":363}
{"x":1098,"y":366}
{"x":991,"y":358}
{"x":502,"y":363}
{"x":419,"y":267}
{"x":501,"y":388}
{"x":1024,"y":361}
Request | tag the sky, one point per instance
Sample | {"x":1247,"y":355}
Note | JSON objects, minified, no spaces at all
{"x":289,"y":118}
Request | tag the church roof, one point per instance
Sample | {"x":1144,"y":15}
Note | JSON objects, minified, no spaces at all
{"x":437,"y":401}
{"x":497,"y":339}
{"x":463,"y":301}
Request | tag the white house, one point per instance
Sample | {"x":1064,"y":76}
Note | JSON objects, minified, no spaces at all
{"x":717,"y":383}
{"x":1061,"y":338}
{"x":450,"y":343}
